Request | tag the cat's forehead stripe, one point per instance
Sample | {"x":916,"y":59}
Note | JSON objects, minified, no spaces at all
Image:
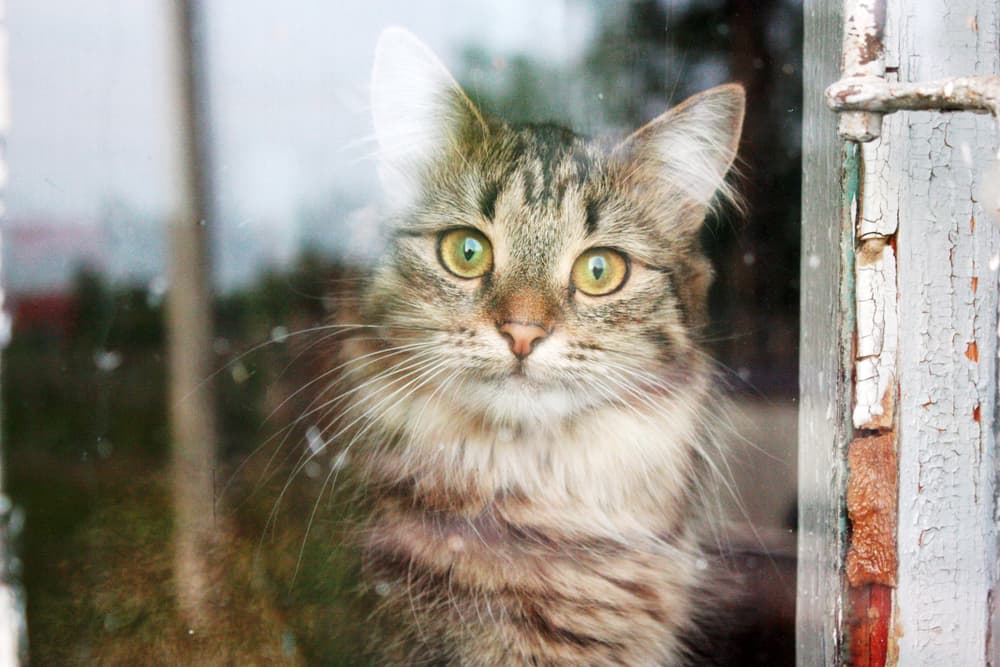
{"x":593,"y":217}
{"x":488,"y":200}
{"x":549,"y":159}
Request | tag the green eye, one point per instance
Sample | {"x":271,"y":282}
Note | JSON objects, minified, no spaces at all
{"x":599,"y":271}
{"x":465,"y":252}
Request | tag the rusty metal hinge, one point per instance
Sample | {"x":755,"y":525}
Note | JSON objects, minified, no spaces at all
{"x":863,"y":96}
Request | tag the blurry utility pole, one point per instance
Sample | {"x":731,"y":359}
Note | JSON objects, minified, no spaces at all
{"x":189,"y":324}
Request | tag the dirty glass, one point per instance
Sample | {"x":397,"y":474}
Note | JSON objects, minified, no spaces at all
{"x":292,"y":228}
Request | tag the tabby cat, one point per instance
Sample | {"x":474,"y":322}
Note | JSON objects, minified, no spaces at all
{"x":530,"y":407}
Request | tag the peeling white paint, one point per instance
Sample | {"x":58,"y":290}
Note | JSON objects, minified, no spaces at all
{"x":875,"y":287}
{"x":877,"y":327}
{"x":947,"y":369}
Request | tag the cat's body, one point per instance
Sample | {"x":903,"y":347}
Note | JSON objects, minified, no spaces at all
{"x":530,"y":412}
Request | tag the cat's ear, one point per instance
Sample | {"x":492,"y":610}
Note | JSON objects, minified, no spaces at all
{"x":690,"y":148}
{"x":419,"y":111}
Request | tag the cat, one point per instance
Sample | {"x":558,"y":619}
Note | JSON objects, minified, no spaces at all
{"x":529,"y":407}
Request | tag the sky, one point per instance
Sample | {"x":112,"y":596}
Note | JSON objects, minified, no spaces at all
{"x":92,"y":143}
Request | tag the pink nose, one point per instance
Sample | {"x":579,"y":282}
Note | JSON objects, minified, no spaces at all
{"x":522,"y":337}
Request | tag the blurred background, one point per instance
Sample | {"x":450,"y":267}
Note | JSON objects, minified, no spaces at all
{"x":94,"y":156}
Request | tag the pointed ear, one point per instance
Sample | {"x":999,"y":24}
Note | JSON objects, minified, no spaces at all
{"x":690,"y":148}
{"x":419,"y":111}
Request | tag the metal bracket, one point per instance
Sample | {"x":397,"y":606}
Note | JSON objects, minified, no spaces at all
{"x":863,"y":95}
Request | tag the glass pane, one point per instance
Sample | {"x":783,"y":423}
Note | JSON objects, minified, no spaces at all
{"x":298,"y":219}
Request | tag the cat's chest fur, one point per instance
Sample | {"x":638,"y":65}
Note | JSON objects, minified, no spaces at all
{"x":536,"y":547}
{"x":510,"y":579}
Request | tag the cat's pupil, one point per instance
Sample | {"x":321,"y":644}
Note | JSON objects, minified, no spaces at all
{"x":597,"y":267}
{"x":470,"y":247}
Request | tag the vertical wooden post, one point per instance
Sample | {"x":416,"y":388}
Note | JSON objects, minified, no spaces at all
{"x":189,"y":326}
{"x":948,"y":264}
{"x":829,"y":189}
{"x":921,"y":269}
{"x":13,"y":629}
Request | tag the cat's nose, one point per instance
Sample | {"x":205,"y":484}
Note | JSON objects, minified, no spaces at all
{"x":522,"y":336}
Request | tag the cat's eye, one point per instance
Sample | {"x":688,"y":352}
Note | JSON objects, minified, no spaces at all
{"x":599,"y":271}
{"x":465,"y":252}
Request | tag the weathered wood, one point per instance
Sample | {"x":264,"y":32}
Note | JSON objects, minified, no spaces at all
{"x":827,"y":295}
{"x":947,"y":272}
{"x":13,"y":628}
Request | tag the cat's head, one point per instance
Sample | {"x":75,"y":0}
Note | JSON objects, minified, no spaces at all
{"x":536,"y":274}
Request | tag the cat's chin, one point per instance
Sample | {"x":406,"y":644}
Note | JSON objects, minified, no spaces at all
{"x":519,"y":398}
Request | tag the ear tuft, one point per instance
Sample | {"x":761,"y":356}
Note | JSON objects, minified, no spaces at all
{"x":418,"y":109}
{"x":692,"y":146}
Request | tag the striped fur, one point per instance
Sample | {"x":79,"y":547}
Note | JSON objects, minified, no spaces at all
{"x":547,"y":510}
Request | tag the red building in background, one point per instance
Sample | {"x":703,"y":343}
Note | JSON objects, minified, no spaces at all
{"x":40,"y":260}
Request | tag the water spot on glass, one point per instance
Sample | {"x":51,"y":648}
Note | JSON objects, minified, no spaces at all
{"x":813,"y":261}
{"x":339,"y":461}
{"x":314,"y":440}
{"x":749,"y":259}
{"x":382,"y":588}
{"x":788,"y":69}
{"x":239,"y":373}
{"x":107,"y":360}
{"x":156,"y":290}
{"x":279,"y":334}
{"x":313,"y":470}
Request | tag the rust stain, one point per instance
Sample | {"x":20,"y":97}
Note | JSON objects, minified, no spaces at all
{"x":871,"y":506}
{"x":871,"y":250}
{"x":871,"y":611}
{"x":975,"y":284}
{"x":888,"y":402}
{"x":888,"y":405}
{"x":976,"y":413}
{"x":871,"y":50}
{"x":972,"y":352}
{"x":972,"y":223}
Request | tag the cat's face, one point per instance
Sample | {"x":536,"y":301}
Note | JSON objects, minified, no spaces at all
{"x":535,"y":274}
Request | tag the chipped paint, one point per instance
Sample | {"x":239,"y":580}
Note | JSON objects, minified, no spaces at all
{"x":927,"y":335}
{"x":861,"y":60}
{"x":875,"y":292}
{"x":877,"y":330}
{"x":947,"y":345}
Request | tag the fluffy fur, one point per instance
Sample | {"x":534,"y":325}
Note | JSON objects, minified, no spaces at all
{"x":547,"y":510}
